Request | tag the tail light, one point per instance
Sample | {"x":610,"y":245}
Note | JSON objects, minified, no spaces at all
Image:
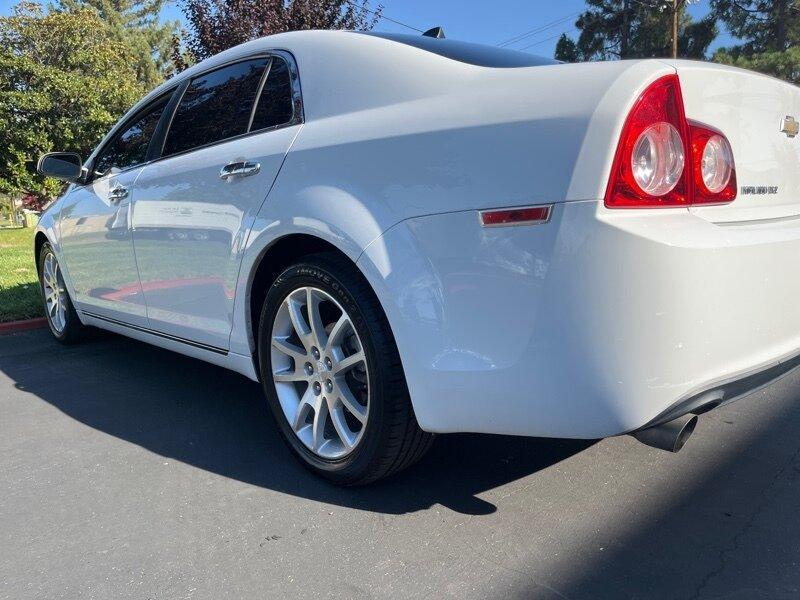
{"x":662,"y":160}
{"x":714,"y":172}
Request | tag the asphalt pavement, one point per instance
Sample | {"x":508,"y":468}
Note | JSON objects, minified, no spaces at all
{"x":130,"y":472}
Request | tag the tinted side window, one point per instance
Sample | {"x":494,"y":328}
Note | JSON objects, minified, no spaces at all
{"x":275,"y":105}
{"x":129,"y":147}
{"x":215,"y":106}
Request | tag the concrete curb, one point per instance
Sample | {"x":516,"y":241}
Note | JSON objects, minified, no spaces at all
{"x":14,"y":326}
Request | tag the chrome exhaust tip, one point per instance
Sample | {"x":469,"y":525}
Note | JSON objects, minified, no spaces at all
{"x":670,"y":436}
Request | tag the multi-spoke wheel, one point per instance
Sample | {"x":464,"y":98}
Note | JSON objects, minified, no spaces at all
{"x":331,"y":371}
{"x":55,"y":293}
{"x":320,"y":372}
{"x":61,"y":317}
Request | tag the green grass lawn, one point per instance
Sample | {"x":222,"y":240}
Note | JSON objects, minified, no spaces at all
{"x":19,"y":286}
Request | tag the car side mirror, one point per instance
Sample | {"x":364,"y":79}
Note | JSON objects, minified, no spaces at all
{"x":65,"y":166}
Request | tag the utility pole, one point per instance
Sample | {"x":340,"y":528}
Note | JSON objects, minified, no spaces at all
{"x":674,"y":28}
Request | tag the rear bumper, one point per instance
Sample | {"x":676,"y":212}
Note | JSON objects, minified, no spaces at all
{"x":594,"y":324}
{"x":725,"y":392}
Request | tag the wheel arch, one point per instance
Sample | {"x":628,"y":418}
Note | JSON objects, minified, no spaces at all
{"x":47,"y":232}
{"x":38,"y":241}
{"x":270,"y":263}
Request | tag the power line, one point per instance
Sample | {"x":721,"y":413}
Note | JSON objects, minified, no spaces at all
{"x":613,"y":31}
{"x":558,"y":35}
{"x":589,"y":16}
{"x":542,"y":28}
{"x":522,"y":36}
{"x":381,"y":15}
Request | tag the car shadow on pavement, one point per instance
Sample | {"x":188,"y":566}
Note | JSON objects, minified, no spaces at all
{"x":216,"y":420}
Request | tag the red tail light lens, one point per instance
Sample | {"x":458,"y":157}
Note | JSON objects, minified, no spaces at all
{"x":649,"y":165}
{"x":714,"y":171}
{"x":663,"y":161}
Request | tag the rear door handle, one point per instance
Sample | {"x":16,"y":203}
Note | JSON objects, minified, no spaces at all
{"x":239,"y":169}
{"x":117,"y":193}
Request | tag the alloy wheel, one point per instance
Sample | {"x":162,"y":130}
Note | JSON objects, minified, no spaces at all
{"x":55,"y":293}
{"x":320,"y":372}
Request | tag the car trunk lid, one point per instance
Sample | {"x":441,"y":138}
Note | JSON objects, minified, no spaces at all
{"x":757,"y":114}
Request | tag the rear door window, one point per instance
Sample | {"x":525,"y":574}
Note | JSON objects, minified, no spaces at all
{"x":215,"y":106}
{"x":275,"y":105}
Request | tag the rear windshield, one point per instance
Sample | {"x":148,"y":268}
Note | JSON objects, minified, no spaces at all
{"x":466,"y":52}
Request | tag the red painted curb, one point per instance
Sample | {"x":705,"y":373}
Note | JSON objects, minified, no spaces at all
{"x":15,"y":326}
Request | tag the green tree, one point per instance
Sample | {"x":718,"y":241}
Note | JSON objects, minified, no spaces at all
{"x":136,"y":23}
{"x":784,"y":65}
{"x":764,"y":25}
{"x":216,"y":25}
{"x":770,"y":30}
{"x":612,"y":29}
{"x":566,"y":49}
{"x":65,"y":79}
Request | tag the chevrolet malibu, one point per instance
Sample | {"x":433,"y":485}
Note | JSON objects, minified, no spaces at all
{"x":400,"y":236}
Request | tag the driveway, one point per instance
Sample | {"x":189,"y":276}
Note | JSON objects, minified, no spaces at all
{"x":130,"y":472}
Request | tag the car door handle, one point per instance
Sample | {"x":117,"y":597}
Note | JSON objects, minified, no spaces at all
{"x":239,"y":169}
{"x":117,"y":193}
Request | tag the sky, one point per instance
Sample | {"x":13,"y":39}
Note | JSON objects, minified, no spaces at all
{"x":479,"y":21}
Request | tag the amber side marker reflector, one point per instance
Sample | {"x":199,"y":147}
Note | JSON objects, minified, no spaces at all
{"x":528,"y":215}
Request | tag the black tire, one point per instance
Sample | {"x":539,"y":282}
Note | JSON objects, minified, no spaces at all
{"x":392,"y":440}
{"x":73,"y":330}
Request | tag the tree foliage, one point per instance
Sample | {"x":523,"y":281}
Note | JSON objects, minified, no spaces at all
{"x":771,"y":33}
{"x":611,"y":29}
{"x":65,"y":78}
{"x":765,"y":25}
{"x":784,"y":65}
{"x":216,"y":25}
{"x":567,"y":49}
{"x":136,"y":23}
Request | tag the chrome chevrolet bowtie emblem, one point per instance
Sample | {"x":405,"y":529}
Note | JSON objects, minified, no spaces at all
{"x":789,"y":126}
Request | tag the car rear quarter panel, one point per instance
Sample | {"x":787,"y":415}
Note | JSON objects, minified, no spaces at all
{"x":587,"y":326}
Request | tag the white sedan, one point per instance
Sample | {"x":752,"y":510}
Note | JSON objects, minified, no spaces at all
{"x":402,"y":235}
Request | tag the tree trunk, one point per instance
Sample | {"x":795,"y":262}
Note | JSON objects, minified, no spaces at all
{"x":781,"y":7}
